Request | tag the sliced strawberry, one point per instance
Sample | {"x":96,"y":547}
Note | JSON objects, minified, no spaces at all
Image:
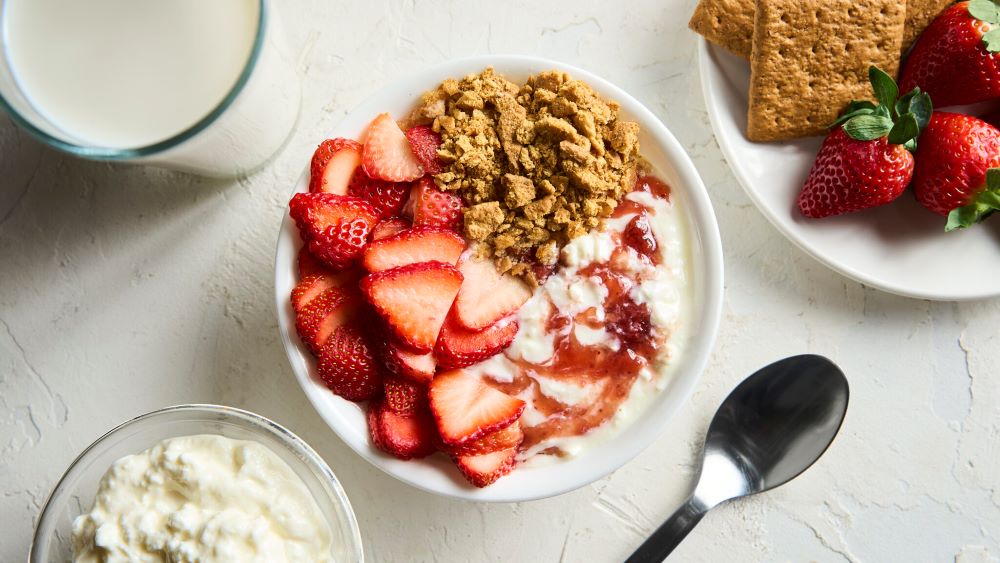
{"x":314,"y":213}
{"x":403,"y":396}
{"x":333,"y":165}
{"x":415,"y":367}
{"x":405,"y":436}
{"x":430,"y":206}
{"x":347,"y":366}
{"x":387,"y":198}
{"x":313,"y":285}
{"x":510,"y":437}
{"x":414,"y":300}
{"x":425,"y":143}
{"x":308,"y":264}
{"x":389,"y":227}
{"x":487,"y":295}
{"x":386,"y":153}
{"x":458,"y":347}
{"x":340,"y":246}
{"x":466,"y":408}
{"x":419,"y":244}
{"x":483,"y":470}
{"x":324,"y":314}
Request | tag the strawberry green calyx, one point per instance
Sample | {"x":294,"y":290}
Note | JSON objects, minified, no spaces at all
{"x":900,"y":118}
{"x":984,"y":204}
{"x":987,"y":11}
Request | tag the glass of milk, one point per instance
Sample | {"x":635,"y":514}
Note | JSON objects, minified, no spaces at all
{"x":203,"y":86}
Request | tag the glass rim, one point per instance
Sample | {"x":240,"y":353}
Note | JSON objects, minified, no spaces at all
{"x":286,"y":436}
{"x":105,"y":153}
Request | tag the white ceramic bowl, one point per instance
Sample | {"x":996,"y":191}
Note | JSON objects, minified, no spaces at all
{"x":75,"y":491}
{"x":437,"y":474}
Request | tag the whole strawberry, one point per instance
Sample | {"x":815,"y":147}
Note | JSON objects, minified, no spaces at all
{"x":955,"y":59}
{"x":957,"y":170}
{"x":865,"y":161}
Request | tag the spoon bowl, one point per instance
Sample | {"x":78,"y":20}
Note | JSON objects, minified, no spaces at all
{"x":770,"y":429}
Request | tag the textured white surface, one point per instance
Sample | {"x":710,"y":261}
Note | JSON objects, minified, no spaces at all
{"x":127,"y":289}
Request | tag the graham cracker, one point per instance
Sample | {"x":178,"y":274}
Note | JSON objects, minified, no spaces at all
{"x":727,"y":23}
{"x":811,"y":57}
{"x":919,"y":14}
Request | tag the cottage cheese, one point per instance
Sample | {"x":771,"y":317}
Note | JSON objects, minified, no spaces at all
{"x":202,"y":498}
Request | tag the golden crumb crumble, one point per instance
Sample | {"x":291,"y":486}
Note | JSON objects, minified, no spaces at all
{"x":537,"y":165}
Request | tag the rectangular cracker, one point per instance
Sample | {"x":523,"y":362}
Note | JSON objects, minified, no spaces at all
{"x":727,"y":23}
{"x":811,"y":57}
{"x":919,"y":14}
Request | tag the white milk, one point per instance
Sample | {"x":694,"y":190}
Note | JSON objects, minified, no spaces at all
{"x":128,"y":73}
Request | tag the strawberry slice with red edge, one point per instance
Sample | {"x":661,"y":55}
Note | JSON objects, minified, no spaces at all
{"x":324,"y":314}
{"x":458,"y":347}
{"x":430,"y":206}
{"x":487,"y":295}
{"x":410,"y":365}
{"x":386,"y":153}
{"x":387,"y":198}
{"x":424,"y":143}
{"x":391,"y":226}
{"x":315,"y":213}
{"x":506,"y":438}
{"x":465,"y":408}
{"x":403,"y":396}
{"x":340,"y":246}
{"x":313,"y":285}
{"x":483,"y":470}
{"x":414,"y":300}
{"x":347,"y":366}
{"x":419,"y":244}
{"x":333,"y":165}
{"x":405,"y":436}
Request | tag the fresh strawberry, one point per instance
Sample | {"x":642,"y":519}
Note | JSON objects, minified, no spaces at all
{"x":315,"y":213}
{"x":324,"y":314}
{"x":387,"y":154}
{"x":403,"y":396}
{"x":387,"y":198}
{"x":309,"y":288}
{"x":308,"y":264}
{"x":465,"y":408}
{"x":419,"y":244}
{"x":487,"y":295}
{"x":425,"y":143}
{"x":346,"y":365}
{"x":414,"y":300}
{"x":957,"y":169}
{"x":333,"y":165}
{"x":405,"y":436}
{"x":388,"y":227}
{"x":416,"y":367}
{"x":432,"y":207}
{"x":483,"y":470}
{"x":509,"y":437}
{"x":341,"y":246}
{"x":458,"y":347}
{"x":955,"y":59}
{"x":866,"y":162}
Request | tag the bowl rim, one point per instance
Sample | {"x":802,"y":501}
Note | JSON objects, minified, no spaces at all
{"x":259,"y":422}
{"x":702,"y":226}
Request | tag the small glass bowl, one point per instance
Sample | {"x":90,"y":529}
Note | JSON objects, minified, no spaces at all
{"x":75,"y":491}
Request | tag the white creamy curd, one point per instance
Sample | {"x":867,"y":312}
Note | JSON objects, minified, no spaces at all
{"x":664,"y":289}
{"x":202,"y":499}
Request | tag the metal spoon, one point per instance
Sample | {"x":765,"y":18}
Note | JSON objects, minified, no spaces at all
{"x":770,"y":429}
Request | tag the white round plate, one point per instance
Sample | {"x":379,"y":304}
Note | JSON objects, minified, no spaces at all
{"x":900,"y":248}
{"x":438,"y":475}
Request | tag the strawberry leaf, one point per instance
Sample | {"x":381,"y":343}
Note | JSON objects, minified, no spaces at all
{"x":867,"y":127}
{"x":884,"y":87}
{"x":921,"y":108}
{"x":904,"y":130}
{"x":986,"y":203}
{"x":991,"y":39}
{"x":862,"y":107}
{"x":985,"y":10}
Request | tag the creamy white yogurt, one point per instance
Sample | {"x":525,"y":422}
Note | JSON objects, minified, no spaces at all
{"x":202,"y":498}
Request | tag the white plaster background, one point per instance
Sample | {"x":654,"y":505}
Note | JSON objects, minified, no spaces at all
{"x":126,"y":289}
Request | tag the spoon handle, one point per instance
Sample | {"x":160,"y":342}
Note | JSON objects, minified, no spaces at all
{"x":670,"y":534}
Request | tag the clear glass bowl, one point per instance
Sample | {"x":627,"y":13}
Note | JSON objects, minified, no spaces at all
{"x":74,"y":493}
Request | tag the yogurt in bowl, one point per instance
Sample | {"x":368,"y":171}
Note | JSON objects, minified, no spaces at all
{"x":588,"y":303}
